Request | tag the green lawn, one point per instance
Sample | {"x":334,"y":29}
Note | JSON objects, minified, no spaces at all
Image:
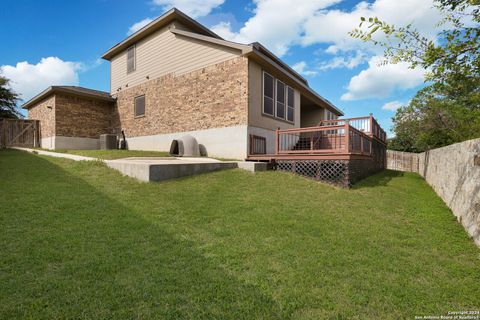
{"x":113,"y":154}
{"x":79,"y":241}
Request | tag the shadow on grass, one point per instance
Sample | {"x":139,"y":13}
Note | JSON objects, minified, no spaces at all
{"x":82,"y":254}
{"x":379,"y":179}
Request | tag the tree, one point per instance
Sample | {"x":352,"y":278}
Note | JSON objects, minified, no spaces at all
{"x":447,"y":110}
{"x":8,"y":100}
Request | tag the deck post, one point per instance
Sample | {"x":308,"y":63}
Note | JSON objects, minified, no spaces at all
{"x":276,"y":141}
{"x":347,"y":136}
{"x":361,"y":143}
{"x":371,"y":124}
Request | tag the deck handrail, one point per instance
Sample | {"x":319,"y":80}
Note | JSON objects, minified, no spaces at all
{"x":369,"y":124}
{"x":337,"y":139}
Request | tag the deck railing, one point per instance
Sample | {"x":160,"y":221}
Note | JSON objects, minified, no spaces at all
{"x":367,"y":125}
{"x":342,"y":136}
{"x":258,"y":145}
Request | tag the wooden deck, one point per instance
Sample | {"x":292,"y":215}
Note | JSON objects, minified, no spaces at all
{"x":341,"y":139}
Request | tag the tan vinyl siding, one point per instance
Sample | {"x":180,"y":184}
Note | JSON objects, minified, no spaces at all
{"x":255,"y":116}
{"x":163,"y":53}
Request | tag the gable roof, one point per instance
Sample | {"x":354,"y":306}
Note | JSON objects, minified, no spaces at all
{"x":79,"y":91}
{"x":163,"y":20}
{"x":255,"y":49}
{"x":261,"y":53}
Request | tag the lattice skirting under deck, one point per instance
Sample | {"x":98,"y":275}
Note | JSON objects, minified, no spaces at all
{"x":341,"y":173}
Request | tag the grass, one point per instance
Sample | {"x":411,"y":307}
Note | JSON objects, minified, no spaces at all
{"x":80,"y":241}
{"x":113,"y":154}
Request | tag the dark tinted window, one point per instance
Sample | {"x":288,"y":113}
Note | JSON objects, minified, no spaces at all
{"x":290,"y":104}
{"x":268,"y":85}
{"x":280,"y":92}
{"x":290,"y":114}
{"x":268,"y":105}
{"x":139,"y":106}
{"x":290,"y":97}
{"x":268,"y":90}
{"x":280,"y":100}
{"x":131,"y":59}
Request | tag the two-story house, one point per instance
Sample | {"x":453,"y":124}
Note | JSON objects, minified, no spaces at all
{"x":175,"y":77}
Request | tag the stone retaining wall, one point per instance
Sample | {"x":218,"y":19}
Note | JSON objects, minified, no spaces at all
{"x":454,"y":174}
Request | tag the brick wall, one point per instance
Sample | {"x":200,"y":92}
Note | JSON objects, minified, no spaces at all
{"x":72,"y":116}
{"x":213,"y":97}
{"x":45,"y":115}
{"x":82,"y":117}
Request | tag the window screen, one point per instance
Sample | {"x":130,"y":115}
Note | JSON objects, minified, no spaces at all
{"x":139,"y":106}
{"x":268,"y":89}
{"x":290,"y":104}
{"x":280,"y":110}
{"x":131,"y":59}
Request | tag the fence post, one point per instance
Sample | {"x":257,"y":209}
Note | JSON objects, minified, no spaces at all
{"x":4,"y":134}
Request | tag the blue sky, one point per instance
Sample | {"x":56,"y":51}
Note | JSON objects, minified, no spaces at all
{"x":60,"y":42}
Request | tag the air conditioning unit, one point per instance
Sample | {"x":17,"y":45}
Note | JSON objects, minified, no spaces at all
{"x":108,"y":142}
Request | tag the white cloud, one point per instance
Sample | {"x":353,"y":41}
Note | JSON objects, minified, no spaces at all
{"x":224,"y":30}
{"x":302,"y":68}
{"x":280,"y":24}
{"x":277,"y":24}
{"x":332,"y":26}
{"x":348,"y":61}
{"x":30,"y":79}
{"x":379,"y":81}
{"x":393,"y":105}
{"x":193,"y":8}
{"x":138,"y":25}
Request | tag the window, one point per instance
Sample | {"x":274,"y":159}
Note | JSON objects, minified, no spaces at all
{"x":278,"y":98}
{"x":268,"y":89}
{"x":139,"y":106}
{"x":131,"y":65}
{"x":290,"y":104}
{"x":280,"y":103}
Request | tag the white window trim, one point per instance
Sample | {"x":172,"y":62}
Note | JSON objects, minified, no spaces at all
{"x":134,"y":58}
{"x":263,"y":95}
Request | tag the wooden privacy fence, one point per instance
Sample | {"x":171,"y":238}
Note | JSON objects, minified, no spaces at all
{"x":19,"y":133}
{"x":402,"y":161}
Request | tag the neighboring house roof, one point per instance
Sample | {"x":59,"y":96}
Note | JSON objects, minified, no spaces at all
{"x":79,"y":91}
{"x":163,"y":20}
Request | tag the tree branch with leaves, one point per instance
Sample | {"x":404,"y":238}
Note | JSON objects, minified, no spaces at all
{"x":8,"y":100}
{"x":448,"y":109}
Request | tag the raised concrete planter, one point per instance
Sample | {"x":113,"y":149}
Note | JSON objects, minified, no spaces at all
{"x":165,"y":169}
{"x":252,"y":166}
{"x":161,"y":168}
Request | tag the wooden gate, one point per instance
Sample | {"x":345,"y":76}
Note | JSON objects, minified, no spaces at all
{"x":19,"y":133}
